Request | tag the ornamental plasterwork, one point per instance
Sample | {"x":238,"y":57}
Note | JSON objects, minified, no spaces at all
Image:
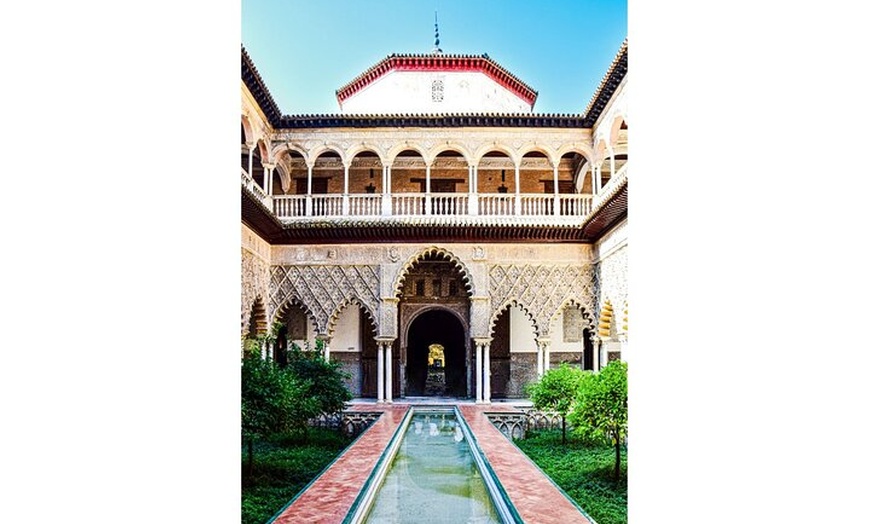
{"x":614,"y":239}
{"x":300,"y":165}
{"x":543,"y":290}
{"x":614,"y":284}
{"x":255,"y":283}
{"x":463,"y":269}
{"x":324,"y":290}
{"x":477,"y":141}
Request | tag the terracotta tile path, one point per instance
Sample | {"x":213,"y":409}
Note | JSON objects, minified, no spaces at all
{"x":329,"y":498}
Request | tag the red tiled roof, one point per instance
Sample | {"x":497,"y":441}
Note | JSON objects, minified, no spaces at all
{"x":481,"y":63}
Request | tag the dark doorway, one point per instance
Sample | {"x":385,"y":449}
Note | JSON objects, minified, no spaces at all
{"x":368,"y":358}
{"x":500,"y":356}
{"x":587,"y":349}
{"x":427,"y":332}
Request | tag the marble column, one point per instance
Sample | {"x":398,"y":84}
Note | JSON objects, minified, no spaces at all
{"x":380,"y":373}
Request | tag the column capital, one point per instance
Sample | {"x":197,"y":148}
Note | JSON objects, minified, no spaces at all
{"x":385,"y":340}
{"x":482,"y":340}
{"x":267,"y":165}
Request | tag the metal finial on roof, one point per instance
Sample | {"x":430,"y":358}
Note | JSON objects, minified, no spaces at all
{"x":436,"y":50}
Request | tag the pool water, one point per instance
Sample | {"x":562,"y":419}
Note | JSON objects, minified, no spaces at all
{"x":433,"y":477}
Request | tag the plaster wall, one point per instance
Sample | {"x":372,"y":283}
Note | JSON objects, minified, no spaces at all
{"x":412,"y":92}
{"x":522,"y":333}
{"x":347,"y":336}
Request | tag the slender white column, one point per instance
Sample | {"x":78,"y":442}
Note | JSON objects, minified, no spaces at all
{"x":308,"y":203}
{"x":386,"y":203}
{"x":389,"y":368}
{"x":472,"y":190}
{"x":612,"y":161}
{"x":517,"y":210}
{"x":478,"y":373}
{"x":540,"y":359}
{"x":384,"y":191}
{"x":597,"y":180}
{"x":428,"y":199}
{"x":596,"y":347}
{"x":345,"y":200}
{"x":556,"y":210}
{"x":546,"y":357}
{"x":380,"y":373}
{"x":325,"y":349}
{"x":267,"y":178}
{"x":486,"y":374}
{"x":251,"y":160}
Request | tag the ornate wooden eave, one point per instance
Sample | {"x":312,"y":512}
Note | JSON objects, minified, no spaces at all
{"x":615,"y":74}
{"x":433,"y":121}
{"x":254,"y":82}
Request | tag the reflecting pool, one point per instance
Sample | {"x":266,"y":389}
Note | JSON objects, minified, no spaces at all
{"x":433,"y":477}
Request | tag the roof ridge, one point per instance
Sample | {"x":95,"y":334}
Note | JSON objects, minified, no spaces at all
{"x":623,"y":49}
{"x":271,"y":107}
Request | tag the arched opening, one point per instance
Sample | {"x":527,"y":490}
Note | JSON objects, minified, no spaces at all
{"x":433,"y":334}
{"x":327,"y":177}
{"x":256,"y":320}
{"x":496,"y":183}
{"x":297,"y":328}
{"x":619,"y":160}
{"x":407,"y":171}
{"x":500,"y":356}
{"x":365,"y":184}
{"x":369,"y":359}
{"x":434,"y":308}
{"x":258,"y":173}
{"x":448,"y":174}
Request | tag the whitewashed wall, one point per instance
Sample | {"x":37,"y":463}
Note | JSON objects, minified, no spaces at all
{"x":411,"y":92}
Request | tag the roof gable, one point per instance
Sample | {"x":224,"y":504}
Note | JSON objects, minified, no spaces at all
{"x":446,"y":63}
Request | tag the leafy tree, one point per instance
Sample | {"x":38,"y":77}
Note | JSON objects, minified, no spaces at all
{"x":270,"y":397}
{"x":557,"y":391}
{"x":601,"y":411}
{"x":323,"y":388}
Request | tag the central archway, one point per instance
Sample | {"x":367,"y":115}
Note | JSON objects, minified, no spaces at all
{"x":440,"y":334}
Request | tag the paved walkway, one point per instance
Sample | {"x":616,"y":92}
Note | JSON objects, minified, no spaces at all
{"x":329,"y":498}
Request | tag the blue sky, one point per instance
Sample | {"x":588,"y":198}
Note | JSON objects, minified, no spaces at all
{"x":305,"y":49}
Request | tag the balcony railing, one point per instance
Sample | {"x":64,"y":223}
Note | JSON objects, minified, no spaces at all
{"x":252,"y":186}
{"x":434,"y":204}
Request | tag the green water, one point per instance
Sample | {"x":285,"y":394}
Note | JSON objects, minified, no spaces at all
{"x":433,"y":478}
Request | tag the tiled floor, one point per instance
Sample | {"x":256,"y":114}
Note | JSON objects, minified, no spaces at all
{"x":329,"y":498}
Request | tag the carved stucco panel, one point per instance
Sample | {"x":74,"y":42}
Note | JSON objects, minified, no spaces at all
{"x":543,"y":290}
{"x":614,"y":280}
{"x":324,"y":290}
{"x":255,"y":283}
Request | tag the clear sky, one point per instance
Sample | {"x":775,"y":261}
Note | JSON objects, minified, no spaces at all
{"x":306,"y":49}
